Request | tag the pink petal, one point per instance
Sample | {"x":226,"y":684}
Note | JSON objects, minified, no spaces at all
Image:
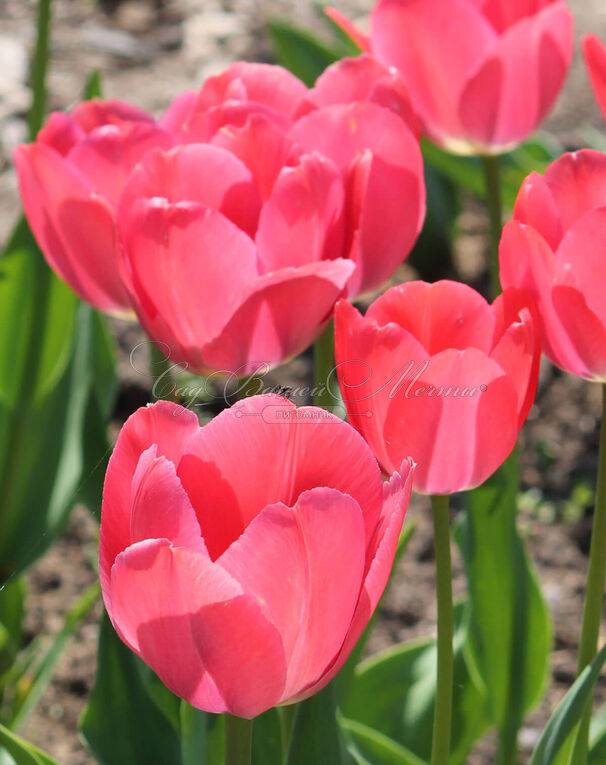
{"x":177,"y":114}
{"x":595,"y":59}
{"x":97,"y":113}
{"x":536,"y":206}
{"x":225,"y":471}
{"x":262,"y":146}
{"x":518,"y":345}
{"x":199,"y":173}
{"x":182,"y":291}
{"x":166,"y":425}
{"x":109,"y":154}
{"x":361,"y":39}
{"x":586,"y":331}
{"x":61,"y":133}
{"x":440,"y":316}
{"x":396,"y":496}
{"x":445,"y":42}
{"x":505,"y":13}
{"x":272,"y":86}
{"x":73,"y":226}
{"x":509,"y":94}
{"x":373,"y":364}
{"x":160,"y":508}
{"x":269,"y":327}
{"x":527,"y":262}
{"x":189,"y":620}
{"x":457,"y":438}
{"x":386,"y":190}
{"x":363,"y":79}
{"x":304,"y":565}
{"x":302,"y":221}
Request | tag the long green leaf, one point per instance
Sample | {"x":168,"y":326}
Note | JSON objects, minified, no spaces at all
{"x":566,"y":717}
{"x":305,"y":55}
{"x":316,"y":736}
{"x":22,"y":752}
{"x":376,"y":748}
{"x":511,"y":642}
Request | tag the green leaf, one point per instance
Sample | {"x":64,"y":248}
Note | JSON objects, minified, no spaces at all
{"x":122,"y":723}
{"x":93,"y":88}
{"x":373,"y":747}
{"x":510,"y":643}
{"x":568,"y":714}
{"x":267,"y":739}
{"x":305,"y":55}
{"x":394,"y":693}
{"x":22,"y":752}
{"x":51,"y":351}
{"x":597,"y":738}
{"x":316,"y":736}
{"x":12,"y":608}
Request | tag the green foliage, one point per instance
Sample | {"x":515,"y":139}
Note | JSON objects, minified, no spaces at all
{"x":316,"y":736}
{"x":394,"y":693}
{"x":22,"y":752}
{"x":510,"y":627}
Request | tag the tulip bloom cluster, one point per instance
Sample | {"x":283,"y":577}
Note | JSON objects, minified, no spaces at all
{"x":242,"y":203}
{"x":246,"y":538}
{"x":482,"y":74}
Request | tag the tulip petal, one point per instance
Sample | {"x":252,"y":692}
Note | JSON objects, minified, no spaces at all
{"x":440,"y":316}
{"x":595,"y":59}
{"x":302,"y":221}
{"x":536,"y":206}
{"x":225,"y":472}
{"x":160,"y":508}
{"x":188,"y":267}
{"x":509,"y":94}
{"x":199,"y":173}
{"x":304,"y":565}
{"x":177,"y":114}
{"x":169,"y":427}
{"x":73,"y":226}
{"x":266,"y":84}
{"x":386,"y":191}
{"x":61,"y":132}
{"x":373,"y":364}
{"x":188,"y":619}
{"x":269,"y":327}
{"x":361,"y":39}
{"x":503,"y":15}
{"x":96,"y":112}
{"x":518,"y":345}
{"x":586,"y":331}
{"x":445,"y":42}
{"x":459,"y":421}
{"x":396,"y":496}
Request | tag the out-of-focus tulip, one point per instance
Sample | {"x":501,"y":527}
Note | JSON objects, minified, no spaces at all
{"x":70,"y":180}
{"x":595,"y":58}
{"x":237,"y":244}
{"x":242,"y":560}
{"x":482,"y":74}
{"x":435,"y":371}
{"x":554,"y":248}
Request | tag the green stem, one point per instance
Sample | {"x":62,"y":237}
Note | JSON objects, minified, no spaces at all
{"x":39,"y":66}
{"x":287,"y":723}
{"x":440,"y":752}
{"x":163,"y":387}
{"x":594,"y":593}
{"x":238,"y":740}
{"x":492,"y":176}
{"x":324,"y":364}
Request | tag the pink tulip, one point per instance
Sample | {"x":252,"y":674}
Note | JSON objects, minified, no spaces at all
{"x":242,"y":560}
{"x":238,"y":243}
{"x":554,"y":249}
{"x":70,"y":180}
{"x":595,"y":58}
{"x":482,"y":74}
{"x":435,"y":371}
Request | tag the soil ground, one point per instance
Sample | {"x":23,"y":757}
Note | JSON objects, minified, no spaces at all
{"x":147,"y":52}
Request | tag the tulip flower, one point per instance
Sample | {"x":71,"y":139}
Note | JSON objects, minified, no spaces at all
{"x":435,"y":370}
{"x":482,"y":74}
{"x":70,"y":179}
{"x":236,"y":248}
{"x":242,"y":560}
{"x":554,"y":248}
{"x":595,"y":58}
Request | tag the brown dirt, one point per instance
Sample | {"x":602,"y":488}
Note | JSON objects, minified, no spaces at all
{"x":147,"y":52}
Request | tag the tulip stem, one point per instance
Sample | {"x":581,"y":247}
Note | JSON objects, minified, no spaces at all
{"x":163,"y":387}
{"x":324,"y":365}
{"x":440,"y":752}
{"x":492,"y":176}
{"x":594,"y":593}
{"x":39,"y":67}
{"x":238,"y":740}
